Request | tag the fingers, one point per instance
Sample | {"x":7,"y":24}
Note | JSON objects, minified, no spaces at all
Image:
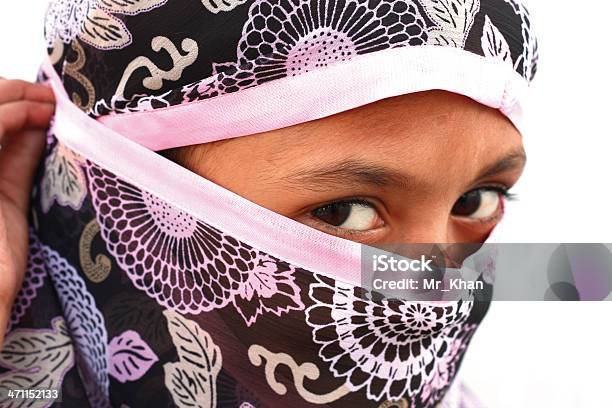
{"x":19,"y":158}
{"x":16,"y":116}
{"x":16,"y":90}
{"x":24,"y":105}
{"x":24,"y":108}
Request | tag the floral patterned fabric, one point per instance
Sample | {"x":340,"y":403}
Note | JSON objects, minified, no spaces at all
{"x":157,"y":308}
{"x":130,"y":301}
{"x":118,"y":56}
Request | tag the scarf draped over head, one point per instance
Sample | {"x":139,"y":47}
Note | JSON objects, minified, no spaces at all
{"x":229,"y":68}
{"x":148,"y":285}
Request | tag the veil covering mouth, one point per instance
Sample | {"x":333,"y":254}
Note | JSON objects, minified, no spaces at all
{"x":148,"y":285}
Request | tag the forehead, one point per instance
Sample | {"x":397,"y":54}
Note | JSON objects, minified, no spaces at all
{"x":427,"y":127}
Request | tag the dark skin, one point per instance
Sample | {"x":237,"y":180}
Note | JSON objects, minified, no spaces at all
{"x":428,"y":167}
{"x":406,"y":160}
{"x":25,"y":111}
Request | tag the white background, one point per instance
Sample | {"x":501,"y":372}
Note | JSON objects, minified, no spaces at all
{"x":525,"y":354}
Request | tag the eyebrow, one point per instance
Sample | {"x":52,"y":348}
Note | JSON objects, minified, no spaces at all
{"x":352,"y":171}
{"x":359,"y":172}
{"x":514,"y":160}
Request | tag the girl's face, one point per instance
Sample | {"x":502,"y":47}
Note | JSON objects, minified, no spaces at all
{"x":432,"y":167}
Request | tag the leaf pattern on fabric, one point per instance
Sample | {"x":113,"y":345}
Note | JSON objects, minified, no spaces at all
{"x":267,"y":289}
{"x":454,"y":20}
{"x":130,"y":7}
{"x":285,"y":38}
{"x":129,"y":356}
{"x":527,"y":63}
{"x":104,"y":31}
{"x":192,"y":380}
{"x":36,"y":358}
{"x":64,"y":180}
{"x":124,"y":311}
{"x":165,"y":258}
{"x":93,"y":21}
{"x":215,"y":6}
{"x":288,"y":38}
{"x":494,"y":44}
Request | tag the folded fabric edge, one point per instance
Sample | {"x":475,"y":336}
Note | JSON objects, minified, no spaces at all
{"x":326,"y":91}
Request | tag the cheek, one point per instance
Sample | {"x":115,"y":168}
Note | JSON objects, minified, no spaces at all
{"x":469,"y":236}
{"x":471,"y":232}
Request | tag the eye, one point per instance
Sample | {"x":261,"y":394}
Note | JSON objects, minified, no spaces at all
{"x":356,"y":215}
{"x":479,"y":204}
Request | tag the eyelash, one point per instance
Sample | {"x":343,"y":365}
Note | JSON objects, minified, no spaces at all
{"x":359,"y":201}
{"x":502,"y":190}
{"x":342,"y":231}
{"x":507,"y":196}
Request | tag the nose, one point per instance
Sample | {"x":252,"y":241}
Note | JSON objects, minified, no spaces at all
{"x":434,"y":235}
{"x":429,"y":229}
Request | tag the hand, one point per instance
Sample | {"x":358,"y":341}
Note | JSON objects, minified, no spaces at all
{"x":25,"y":112}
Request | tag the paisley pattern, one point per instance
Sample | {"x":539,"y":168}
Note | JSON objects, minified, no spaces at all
{"x":35,"y":358}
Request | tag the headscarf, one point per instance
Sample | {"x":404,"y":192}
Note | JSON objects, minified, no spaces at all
{"x":148,"y":285}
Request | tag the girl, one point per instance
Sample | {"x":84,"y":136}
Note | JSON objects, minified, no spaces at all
{"x":209,"y":181}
